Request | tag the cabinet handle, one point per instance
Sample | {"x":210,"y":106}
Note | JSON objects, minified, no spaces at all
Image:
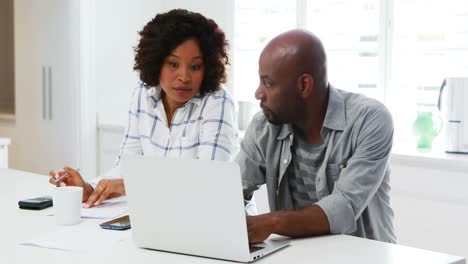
{"x":43,"y":93}
{"x":49,"y":71}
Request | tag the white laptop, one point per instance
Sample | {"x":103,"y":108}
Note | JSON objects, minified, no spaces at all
{"x":191,"y":207}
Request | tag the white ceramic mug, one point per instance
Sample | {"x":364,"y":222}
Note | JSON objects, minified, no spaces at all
{"x":67,"y":204}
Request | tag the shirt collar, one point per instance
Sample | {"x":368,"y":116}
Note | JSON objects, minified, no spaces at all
{"x":155,"y":94}
{"x":286,"y":130}
{"x":335,"y":117}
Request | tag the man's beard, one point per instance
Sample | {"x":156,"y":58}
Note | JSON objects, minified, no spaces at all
{"x":284,"y":115}
{"x":273,"y":118}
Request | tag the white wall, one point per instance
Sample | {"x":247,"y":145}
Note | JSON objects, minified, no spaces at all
{"x":115,"y":35}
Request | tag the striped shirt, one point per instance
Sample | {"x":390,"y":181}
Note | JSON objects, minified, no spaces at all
{"x":300,"y":190}
{"x":203,"y":128}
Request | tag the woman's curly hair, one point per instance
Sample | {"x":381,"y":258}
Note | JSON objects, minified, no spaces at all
{"x":167,"y":31}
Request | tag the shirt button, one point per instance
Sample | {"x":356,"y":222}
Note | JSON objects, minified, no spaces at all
{"x":285,"y":161}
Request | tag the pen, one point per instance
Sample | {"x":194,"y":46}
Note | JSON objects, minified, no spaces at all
{"x":64,"y":176}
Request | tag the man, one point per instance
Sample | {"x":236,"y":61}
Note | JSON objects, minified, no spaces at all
{"x":322,"y":152}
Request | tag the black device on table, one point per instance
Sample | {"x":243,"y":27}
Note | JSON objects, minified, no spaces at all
{"x":121,"y":223}
{"x":37,"y":203}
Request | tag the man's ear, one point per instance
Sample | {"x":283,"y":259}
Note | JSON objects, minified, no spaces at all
{"x":305,"y":85}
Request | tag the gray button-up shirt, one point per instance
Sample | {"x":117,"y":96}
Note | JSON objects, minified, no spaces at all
{"x":353,"y":183}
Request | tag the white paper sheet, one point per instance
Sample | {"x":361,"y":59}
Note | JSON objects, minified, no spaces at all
{"x":111,"y":208}
{"x":86,"y":236}
{"x":108,"y":209}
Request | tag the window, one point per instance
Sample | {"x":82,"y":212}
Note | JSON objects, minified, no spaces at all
{"x":396,"y":51}
{"x":350,"y":34}
{"x":255,"y":23}
{"x":426,"y":48}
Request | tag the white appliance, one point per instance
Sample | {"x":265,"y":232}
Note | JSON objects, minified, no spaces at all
{"x":453,"y":103}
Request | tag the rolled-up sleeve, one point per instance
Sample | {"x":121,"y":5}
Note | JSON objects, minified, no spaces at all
{"x":363,"y":174}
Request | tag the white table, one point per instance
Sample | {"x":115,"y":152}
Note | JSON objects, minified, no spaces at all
{"x":4,"y":142}
{"x":22,"y":225}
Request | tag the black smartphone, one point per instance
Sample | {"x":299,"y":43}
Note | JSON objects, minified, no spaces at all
{"x":121,"y":223}
{"x":37,"y":203}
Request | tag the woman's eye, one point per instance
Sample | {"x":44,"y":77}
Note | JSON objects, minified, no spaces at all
{"x":196,"y":67}
{"x":173,"y":64}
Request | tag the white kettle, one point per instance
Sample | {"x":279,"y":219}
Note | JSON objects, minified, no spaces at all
{"x":453,"y":103}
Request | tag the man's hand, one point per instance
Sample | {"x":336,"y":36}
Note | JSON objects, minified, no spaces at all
{"x":308,"y":221}
{"x":260,"y":227}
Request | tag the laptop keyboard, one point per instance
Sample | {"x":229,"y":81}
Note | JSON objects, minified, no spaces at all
{"x":254,"y":248}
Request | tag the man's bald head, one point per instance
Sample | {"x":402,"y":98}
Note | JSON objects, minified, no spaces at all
{"x":298,"y":52}
{"x":293,"y":78}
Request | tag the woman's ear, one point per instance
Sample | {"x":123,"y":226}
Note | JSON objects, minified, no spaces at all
{"x":305,"y":85}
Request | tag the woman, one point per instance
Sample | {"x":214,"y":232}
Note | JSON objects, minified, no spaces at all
{"x":180,"y":110}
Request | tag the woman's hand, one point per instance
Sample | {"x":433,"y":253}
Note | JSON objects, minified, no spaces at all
{"x":73,"y":179}
{"x":105,"y":189}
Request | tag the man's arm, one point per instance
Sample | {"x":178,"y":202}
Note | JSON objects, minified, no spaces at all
{"x":309,"y":221}
{"x":363,"y":174}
